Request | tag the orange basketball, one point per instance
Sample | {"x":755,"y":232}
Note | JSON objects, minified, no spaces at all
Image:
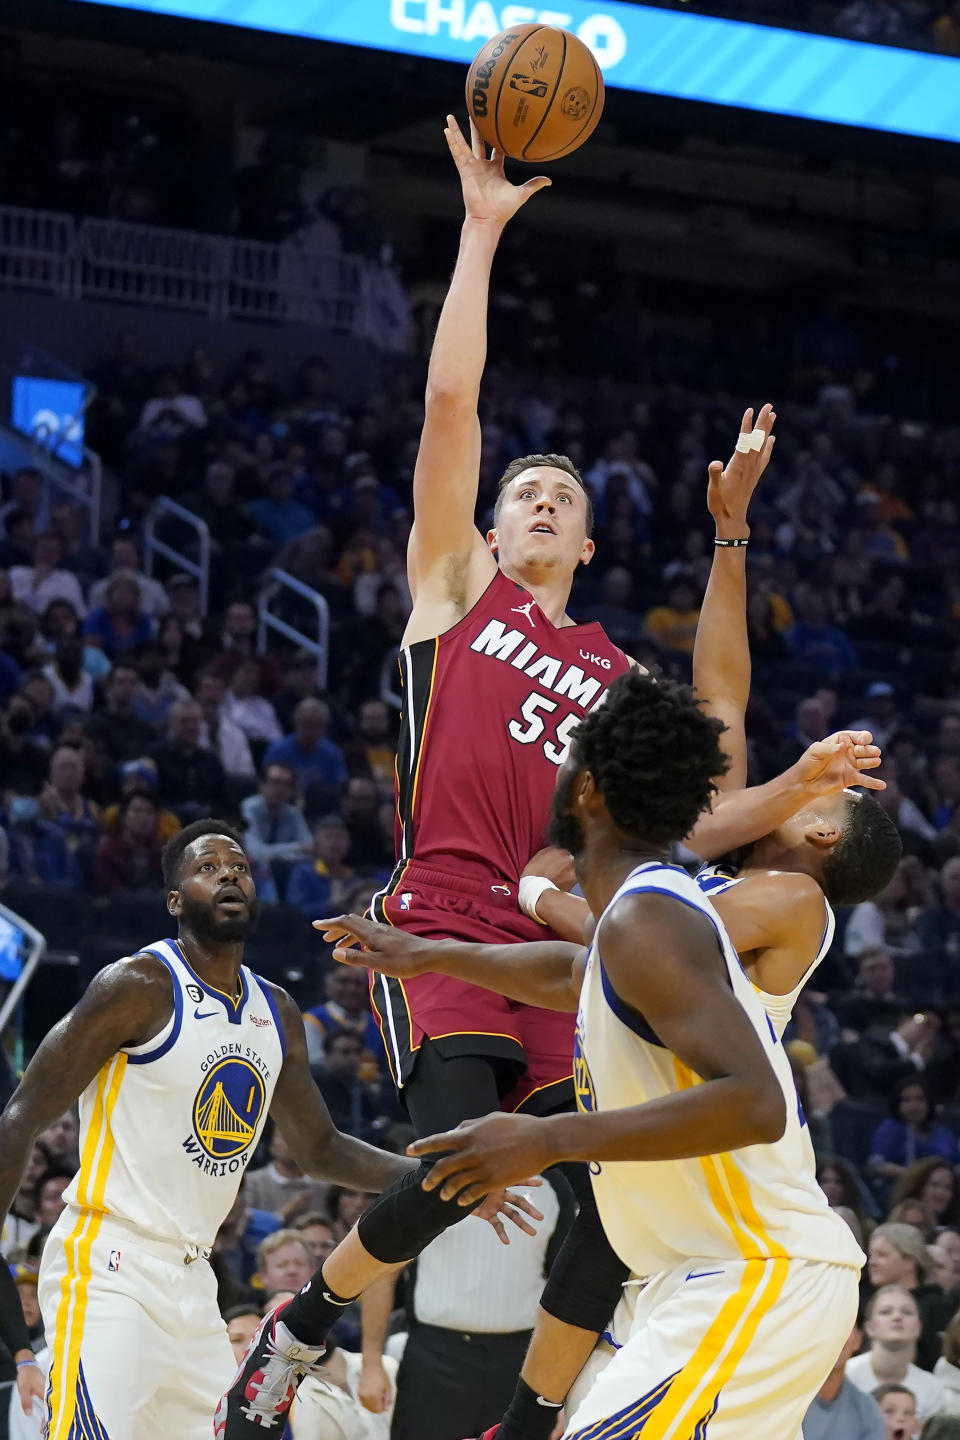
{"x":535,"y":92}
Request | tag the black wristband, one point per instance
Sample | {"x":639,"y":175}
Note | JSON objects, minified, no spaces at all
{"x":732,"y":544}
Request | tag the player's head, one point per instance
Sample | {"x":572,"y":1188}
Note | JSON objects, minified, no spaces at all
{"x":210,"y":887}
{"x":543,"y":517}
{"x":641,"y":767}
{"x":846,"y":841}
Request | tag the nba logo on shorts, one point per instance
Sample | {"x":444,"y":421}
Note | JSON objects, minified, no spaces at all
{"x":406,"y":900}
{"x":113,"y":1263}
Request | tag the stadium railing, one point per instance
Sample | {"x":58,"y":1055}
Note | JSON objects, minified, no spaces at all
{"x":280,"y":589}
{"x":196,"y":564}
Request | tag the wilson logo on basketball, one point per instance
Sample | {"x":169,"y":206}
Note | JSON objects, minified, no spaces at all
{"x":484,"y":72}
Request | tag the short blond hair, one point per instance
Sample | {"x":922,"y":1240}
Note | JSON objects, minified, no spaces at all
{"x":275,"y":1241}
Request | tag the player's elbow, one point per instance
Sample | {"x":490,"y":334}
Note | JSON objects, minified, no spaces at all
{"x":450,"y":396}
{"x":766,"y":1114}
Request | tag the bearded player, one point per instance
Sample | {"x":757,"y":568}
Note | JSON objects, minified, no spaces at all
{"x":496,"y":678}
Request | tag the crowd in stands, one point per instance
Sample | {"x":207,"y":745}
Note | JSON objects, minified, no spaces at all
{"x":125,"y":712}
{"x":913,"y":24}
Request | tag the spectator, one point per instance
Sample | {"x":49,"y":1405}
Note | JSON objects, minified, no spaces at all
{"x":881,"y":713}
{"x":275,"y":827}
{"x":821,"y":645}
{"x":283,"y":1262}
{"x":352,"y":1106}
{"x":50,"y":1202}
{"x":219,"y":734}
{"x":898,"y":1256}
{"x":346,"y":1007}
{"x":235,"y":1246}
{"x":910,"y":1134}
{"x":239,"y":642}
{"x":45,"y":580}
{"x":947,"y":1368}
{"x":939,"y":929}
{"x":39,"y":854}
{"x":242,"y":1322}
{"x":159,"y":688}
{"x":120,"y":625}
{"x":838,"y":1180}
{"x":20,"y":1222}
{"x":125,"y":560}
{"x":873,"y":1000}
{"x":222,"y":510}
{"x":278,"y":515}
{"x":62,"y":1138}
{"x":888,"y":919}
{"x":130,"y":858}
{"x":933,"y":1181}
{"x":893,"y":1329}
{"x":370,"y":850}
{"x":898,"y":1406}
{"x":839,"y":1410}
{"x":673,"y":626}
{"x":190,"y":779}
{"x":317,"y":1233}
{"x":64,"y":803}
{"x":345,"y":1206}
{"x":23,"y":763}
{"x":169,"y":413}
{"x":373,"y":753}
{"x":246,"y":705}
{"x":123,"y":735}
{"x":141,"y":774}
{"x":320,"y":886}
{"x":308,"y":752}
{"x":282,"y":1187}
{"x":71,"y":685}
{"x":882,"y":1058}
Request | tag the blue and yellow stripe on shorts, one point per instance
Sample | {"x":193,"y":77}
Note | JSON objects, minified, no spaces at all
{"x":682,"y":1406}
{"x":70,"y":1412}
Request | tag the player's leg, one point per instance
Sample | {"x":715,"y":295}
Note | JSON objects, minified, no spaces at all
{"x":197,"y":1361}
{"x":399,"y":1224}
{"x":96,"y":1301}
{"x":735,"y":1352}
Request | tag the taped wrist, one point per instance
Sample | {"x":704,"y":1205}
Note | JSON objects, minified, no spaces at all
{"x":585,"y":1283}
{"x":405,"y":1218}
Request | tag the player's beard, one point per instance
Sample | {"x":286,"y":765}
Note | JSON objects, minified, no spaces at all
{"x":208,"y":922}
{"x":565,"y":829}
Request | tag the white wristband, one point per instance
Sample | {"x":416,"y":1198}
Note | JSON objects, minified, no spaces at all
{"x":531,"y":888}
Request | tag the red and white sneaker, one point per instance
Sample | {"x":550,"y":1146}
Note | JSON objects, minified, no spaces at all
{"x":270,"y":1372}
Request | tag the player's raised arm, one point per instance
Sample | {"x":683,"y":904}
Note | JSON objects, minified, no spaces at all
{"x":447,"y":556}
{"x":126,"y":1004}
{"x":721,"y":652}
{"x":547,"y":973}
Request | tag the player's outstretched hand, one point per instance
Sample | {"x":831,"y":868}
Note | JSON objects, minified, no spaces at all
{"x":485,"y":1155}
{"x":392,"y":952}
{"x":730,"y":486}
{"x":841,"y":760}
{"x":553,"y":864}
{"x":487,"y":193}
{"x":508,"y":1204}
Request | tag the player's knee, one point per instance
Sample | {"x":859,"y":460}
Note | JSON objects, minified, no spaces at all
{"x":405,"y":1218}
{"x":587,"y":1277}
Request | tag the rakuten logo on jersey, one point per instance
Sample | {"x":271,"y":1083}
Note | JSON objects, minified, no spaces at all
{"x":592,"y":659}
{"x":479,"y":20}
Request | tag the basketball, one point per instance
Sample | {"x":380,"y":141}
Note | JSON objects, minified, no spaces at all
{"x":535,"y":93}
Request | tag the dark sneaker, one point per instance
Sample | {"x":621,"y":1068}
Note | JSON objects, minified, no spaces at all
{"x":267,"y":1381}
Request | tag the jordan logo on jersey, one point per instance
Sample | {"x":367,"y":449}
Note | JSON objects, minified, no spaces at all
{"x":525,"y":610}
{"x":226,"y":1113}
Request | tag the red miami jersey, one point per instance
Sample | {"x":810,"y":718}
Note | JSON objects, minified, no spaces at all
{"x":489,"y":710}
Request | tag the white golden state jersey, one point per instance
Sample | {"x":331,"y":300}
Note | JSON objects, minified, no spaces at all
{"x":714,"y":880}
{"x":167,"y":1128}
{"x":759,"y":1202}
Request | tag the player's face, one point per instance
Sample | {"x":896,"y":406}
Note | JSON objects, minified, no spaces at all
{"x":542,"y":523}
{"x":217,"y":899}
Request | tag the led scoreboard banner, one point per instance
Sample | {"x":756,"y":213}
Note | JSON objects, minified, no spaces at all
{"x":638,"y":47}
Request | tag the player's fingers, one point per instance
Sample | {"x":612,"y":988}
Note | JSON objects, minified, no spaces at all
{"x":476,"y":141}
{"x":766,"y":418}
{"x":868,"y":762}
{"x":870,"y":782}
{"x":352,"y":956}
{"x":458,"y":146}
{"x":715,"y":469}
{"x":497,"y":159}
{"x":746,"y":424}
{"x":500,"y":1229}
{"x":530,"y":187}
{"x":517,"y":1219}
{"x":456,"y":1183}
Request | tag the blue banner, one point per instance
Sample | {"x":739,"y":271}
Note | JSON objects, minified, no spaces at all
{"x":662,"y":52}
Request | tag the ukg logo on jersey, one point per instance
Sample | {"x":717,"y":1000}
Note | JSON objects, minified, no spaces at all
{"x":474,"y":22}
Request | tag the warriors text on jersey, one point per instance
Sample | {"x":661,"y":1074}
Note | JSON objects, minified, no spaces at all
{"x":167,"y":1128}
{"x":760,"y":1202}
{"x":489,"y":708}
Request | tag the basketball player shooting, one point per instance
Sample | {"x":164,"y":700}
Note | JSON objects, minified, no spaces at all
{"x":177,"y":1055}
{"x":497,"y":676}
{"x":700,"y":1159}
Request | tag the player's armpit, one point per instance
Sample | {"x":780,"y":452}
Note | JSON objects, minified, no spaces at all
{"x":773,"y":909}
{"x":126,"y":1004}
{"x":300,"y":1111}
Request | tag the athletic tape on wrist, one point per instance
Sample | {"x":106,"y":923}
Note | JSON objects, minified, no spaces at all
{"x":529,"y":892}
